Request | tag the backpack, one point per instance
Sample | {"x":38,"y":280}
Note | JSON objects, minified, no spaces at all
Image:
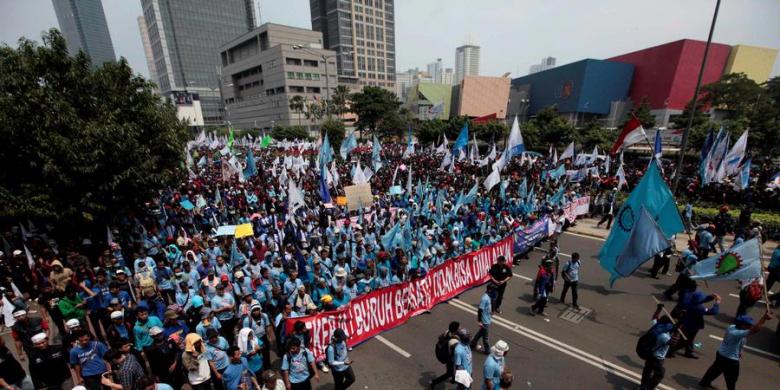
{"x":442,"y":348}
{"x":646,"y":344}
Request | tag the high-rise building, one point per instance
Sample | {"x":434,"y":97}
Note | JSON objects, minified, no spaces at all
{"x":435,"y":70}
{"x":362,"y":33}
{"x":547,"y":63}
{"x":402,"y":83}
{"x":185,"y":36}
{"x":466,"y":62}
{"x":147,"y":48}
{"x":83,"y":24}
{"x":447,"y":76}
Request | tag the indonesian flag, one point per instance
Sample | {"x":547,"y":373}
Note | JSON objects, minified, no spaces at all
{"x":631,"y":134}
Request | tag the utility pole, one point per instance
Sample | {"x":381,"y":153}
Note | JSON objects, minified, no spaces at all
{"x":684,"y":143}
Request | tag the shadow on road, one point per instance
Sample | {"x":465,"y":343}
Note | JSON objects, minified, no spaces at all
{"x":599,"y":289}
{"x":630,"y":361}
{"x":426,"y":378}
{"x":619,"y":383}
{"x":687,"y":381}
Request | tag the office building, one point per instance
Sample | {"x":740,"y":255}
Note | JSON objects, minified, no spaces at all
{"x":666,"y":74}
{"x":466,"y":62}
{"x":83,"y":24}
{"x":580,"y":91}
{"x":147,"y":48}
{"x":402,"y":83}
{"x":435,"y":70}
{"x":264,"y":68}
{"x":477,"y":96}
{"x":362,"y":32}
{"x":546,"y":63}
{"x":185,"y":36}
{"x":448,"y":76}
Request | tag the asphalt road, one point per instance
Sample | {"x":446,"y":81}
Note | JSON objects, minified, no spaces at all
{"x":553,"y":353}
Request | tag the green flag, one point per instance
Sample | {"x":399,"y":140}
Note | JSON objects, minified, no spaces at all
{"x":265,"y":141}
{"x":231,"y":138}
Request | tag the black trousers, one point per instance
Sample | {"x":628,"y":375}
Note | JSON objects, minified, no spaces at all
{"x":343,"y":379}
{"x":540,"y":304}
{"x":574,"y":295}
{"x":660,"y":263}
{"x":305,"y":385}
{"x":682,"y":280}
{"x":449,"y":375}
{"x":652,"y":373}
{"x":606,"y":218}
{"x":499,"y":296}
{"x":722,"y":365}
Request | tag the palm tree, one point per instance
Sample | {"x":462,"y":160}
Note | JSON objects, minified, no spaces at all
{"x":339,"y":100}
{"x":297,"y":104}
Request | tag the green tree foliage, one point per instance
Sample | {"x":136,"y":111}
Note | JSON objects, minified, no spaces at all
{"x":373,"y":106}
{"x":80,"y":143}
{"x":492,"y":131}
{"x":339,"y":101}
{"x":549,"y":128}
{"x":315,"y":110}
{"x":396,"y":124}
{"x":335,"y":130}
{"x":297,"y":104}
{"x":642,"y":112}
{"x":742,"y":104}
{"x":593,"y":134}
{"x":431,"y":131}
{"x":289,"y":133}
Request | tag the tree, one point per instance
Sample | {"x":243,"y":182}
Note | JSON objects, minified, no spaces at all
{"x":335,"y":130}
{"x":597,"y":135}
{"x":374,"y":105}
{"x":431,"y":131}
{"x":81,"y":143}
{"x":549,"y":128}
{"x":315,"y":110}
{"x":396,"y":124}
{"x":290,"y":132}
{"x":642,"y":112}
{"x":340,"y":101}
{"x":297,"y":103}
{"x":493,"y":131}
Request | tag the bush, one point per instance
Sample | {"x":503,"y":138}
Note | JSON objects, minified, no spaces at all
{"x":771,"y":222}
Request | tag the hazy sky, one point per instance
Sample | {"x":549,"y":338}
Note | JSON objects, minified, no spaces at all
{"x":514,"y":34}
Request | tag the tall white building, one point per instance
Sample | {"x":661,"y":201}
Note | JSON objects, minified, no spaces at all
{"x":447,"y":76}
{"x":147,"y":48}
{"x":436,"y":71}
{"x":402,"y":83}
{"x":466,"y":62}
{"x":547,"y":63}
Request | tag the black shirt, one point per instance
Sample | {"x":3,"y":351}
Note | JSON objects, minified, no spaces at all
{"x":10,"y":369}
{"x":48,"y":367}
{"x":500,"y":272}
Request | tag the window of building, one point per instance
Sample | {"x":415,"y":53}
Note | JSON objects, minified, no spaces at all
{"x":299,"y":75}
{"x":270,"y":92}
{"x":310,"y":63}
{"x":312,"y":89}
{"x":307,"y":76}
{"x":316,"y":76}
{"x":290,"y":75}
{"x":297,"y":89}
{"x":293,"y":61}
{"x":279,"y":90}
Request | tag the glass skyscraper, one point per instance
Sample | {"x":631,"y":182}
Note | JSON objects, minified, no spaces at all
{"x":185,"y":36}
{"x":83,"y":24}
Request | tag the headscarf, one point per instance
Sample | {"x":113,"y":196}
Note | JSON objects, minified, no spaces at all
{"x":190,"y":340}
{"x":247,"y":341}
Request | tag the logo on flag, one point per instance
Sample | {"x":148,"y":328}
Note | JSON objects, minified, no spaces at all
{"x":728,"y":263}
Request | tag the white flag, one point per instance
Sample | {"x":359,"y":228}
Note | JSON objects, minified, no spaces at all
{"x":295,"y":197}
{"x":358,"y":177}
{"x":621,"y":175}
{"x":735,"y":156}
{"x":492,"y":179}
{"x":569,"y":152}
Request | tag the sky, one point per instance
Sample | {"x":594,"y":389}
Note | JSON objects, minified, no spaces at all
{"x":513,"y":34}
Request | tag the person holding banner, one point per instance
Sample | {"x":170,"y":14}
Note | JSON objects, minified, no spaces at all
{"x":730,"y":351}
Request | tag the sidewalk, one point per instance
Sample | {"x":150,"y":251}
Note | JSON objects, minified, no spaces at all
{"x":587,"y":227}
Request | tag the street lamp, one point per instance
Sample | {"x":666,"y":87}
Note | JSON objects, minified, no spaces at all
{"x":327,"y":73}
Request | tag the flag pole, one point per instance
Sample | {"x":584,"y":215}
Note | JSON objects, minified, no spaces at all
{"x":684,"y":142}
{"x":670,"y":318}
{"x":763,"y":281}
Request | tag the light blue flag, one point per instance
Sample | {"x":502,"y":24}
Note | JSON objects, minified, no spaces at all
{"x":251,"y":167}
{"x":390,"y":237}
{"x":502,"y":190}
{"x":348,"y":144}
{"x":654,"y":195}
{"x":557,"y":173}
{"x":741,"y":262}
{"x":645,"y":241}
{"x":326,"y":152}
{"x":471,"y":196}
{"x":462,"y":142}
{"x":523,"y":191}
{"x":405,"y":239}
{"x":557,"y":198}
{"x":743,"y":181}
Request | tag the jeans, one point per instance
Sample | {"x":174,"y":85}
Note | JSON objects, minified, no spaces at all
{"x":499,"y":297}
{"x":722,"y":365}
{"x":343,"y":379}
{"x":652,"y":373}
{"x":482,"y":333}
{"x":573,"y":285}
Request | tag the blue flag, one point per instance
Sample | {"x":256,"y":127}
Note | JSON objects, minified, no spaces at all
{"x":645,"y":241}
{"x":657,"y":146}
{"x":743,"y":181}
{"x":462,"y":141}
{"x":251,"y":167}
{"x":390,"y":237}
{"x":326,"y":152}
{"x":376,"y":155}
{"x":324,"y":194}
{"x":705,"y":151}
{"x":348,"y":144}
{"x":741,"y":262}
{"x":523,"y":191}
{"x":654,"y":195}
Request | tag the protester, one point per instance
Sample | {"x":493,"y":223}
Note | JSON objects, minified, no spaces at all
{"x":571,"y":278}
{"x":661,"y":337}
{"x":500,"y":273}
{"x":484,"y":318}
{"x":48,"y":364}
{"x":494,"y":365}
{"x":339,"y":362}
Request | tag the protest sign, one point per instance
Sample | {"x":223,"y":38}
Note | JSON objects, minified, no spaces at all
{"x":244,"y":230}
{"x":358,"y":196}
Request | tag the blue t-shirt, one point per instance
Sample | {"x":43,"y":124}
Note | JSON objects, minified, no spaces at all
{"x":485,"y":306}
{"x":492,"y":370}
{"x":233,"y":374}
{"x":572,"y":270}
{"x":141,"y":331}
{"x":462,"y":357}
{"x":337,"y":353}
{"x":733,"y":341}
{"x":162,"y":386}
{"x":775,"y":261}
{"x":90,"y":358}
{"x":218,"y":302}
{"x":217,"y":353}
{"x":298,"y":365}
{"x":662,"y":345}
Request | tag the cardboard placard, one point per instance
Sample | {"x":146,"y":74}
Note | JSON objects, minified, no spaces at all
{"x":244,"y":230}
{"x":358,"y":196}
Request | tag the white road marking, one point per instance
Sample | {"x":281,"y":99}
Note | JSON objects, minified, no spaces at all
{"x":576,"y":353}
{"x":585,"y":236}
{"x":393,"y":346}
{"x":737,"y":296}
{"x":521,"y":276}
{"x":756,"y":350}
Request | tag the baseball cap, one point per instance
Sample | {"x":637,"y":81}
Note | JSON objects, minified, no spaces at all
{"x":38,"y":338}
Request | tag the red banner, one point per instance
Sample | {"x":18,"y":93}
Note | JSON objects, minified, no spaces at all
{"x":384,"y":309}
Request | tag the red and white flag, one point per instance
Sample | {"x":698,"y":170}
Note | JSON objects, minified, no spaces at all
{"x":631,"y":134}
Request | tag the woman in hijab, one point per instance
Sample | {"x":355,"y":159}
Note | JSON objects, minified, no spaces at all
{"x":250,"y":349}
